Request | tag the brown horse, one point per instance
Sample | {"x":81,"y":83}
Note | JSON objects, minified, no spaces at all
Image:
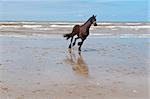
{"x":82,"y":31}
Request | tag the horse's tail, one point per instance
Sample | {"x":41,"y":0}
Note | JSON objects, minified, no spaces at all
{"x":67,"y":36}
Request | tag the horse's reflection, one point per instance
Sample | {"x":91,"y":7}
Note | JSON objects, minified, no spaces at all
{"x":78,"y":64}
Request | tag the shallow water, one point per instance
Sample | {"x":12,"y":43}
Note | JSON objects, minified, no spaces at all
{"x":41,"y":67}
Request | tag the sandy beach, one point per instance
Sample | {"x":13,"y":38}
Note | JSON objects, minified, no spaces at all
{"x":35,"y":62}
{"x":41,"y":68}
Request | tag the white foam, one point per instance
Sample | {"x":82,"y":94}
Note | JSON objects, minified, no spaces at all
{"x":71,"y":24}
{"x":43,"y":29}
{"x":36,"y":36}
{"x":61,"y":25}
{"x":133,"y":23}
{"x":124,"y":27}
{"x":9,"y":26}
{"x":105,"y":34}
{"x":122,"y":35}
{"x":133,"y":27}
{"x":14,"y":35}
{"x":31,"y":26}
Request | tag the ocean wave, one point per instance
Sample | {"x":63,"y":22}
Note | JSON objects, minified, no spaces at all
{"x":122,"y":35}
{"x":128,"y":27}
{"x":70,"y":26}
{"x":36,"y":36}
{"x":105,"y":35}
{"x":44,"y":29}
{"x":61,"y":25}
{"x":54,"y":25}
{"x":31,"y":26}
{"x":9,"y":26}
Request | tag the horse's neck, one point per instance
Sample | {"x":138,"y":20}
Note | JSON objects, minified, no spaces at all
{"x":87,"y":24}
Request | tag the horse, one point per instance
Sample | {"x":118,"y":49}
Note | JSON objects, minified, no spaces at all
{"x":82,"y":31}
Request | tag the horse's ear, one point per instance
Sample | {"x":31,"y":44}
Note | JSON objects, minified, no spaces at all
{"x":93,"y":15}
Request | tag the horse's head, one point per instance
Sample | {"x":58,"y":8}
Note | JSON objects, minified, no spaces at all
{"x":93,"y":20}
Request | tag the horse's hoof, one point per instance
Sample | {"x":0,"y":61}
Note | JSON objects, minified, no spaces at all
{"x":79,"y":43}
{"x":69,"y":50}
{"x":73,"y":44}
{"x":79,"y":52}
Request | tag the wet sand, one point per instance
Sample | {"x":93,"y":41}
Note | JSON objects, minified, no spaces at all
{"x":42,"y":68}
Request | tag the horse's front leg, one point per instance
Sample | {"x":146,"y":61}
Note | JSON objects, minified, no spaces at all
{"x":80,"y":44}
{"x":75,"y":41}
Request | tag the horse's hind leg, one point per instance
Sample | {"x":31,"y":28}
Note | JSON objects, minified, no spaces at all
{"x":70,"y":42}
{"x":75,"y":41}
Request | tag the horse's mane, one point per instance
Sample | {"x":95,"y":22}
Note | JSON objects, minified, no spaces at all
{"x":87,"y":20}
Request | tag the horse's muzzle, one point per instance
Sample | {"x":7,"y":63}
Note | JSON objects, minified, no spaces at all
{"x":94,"y":23}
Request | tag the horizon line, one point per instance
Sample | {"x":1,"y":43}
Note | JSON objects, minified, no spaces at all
{"x":70,"y":21}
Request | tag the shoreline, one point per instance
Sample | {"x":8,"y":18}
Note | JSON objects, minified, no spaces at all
{"x":90,"y":36}
{"x":7,"y":23}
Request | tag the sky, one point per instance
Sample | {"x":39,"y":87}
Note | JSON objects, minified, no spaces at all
{"x":74,"y":10}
